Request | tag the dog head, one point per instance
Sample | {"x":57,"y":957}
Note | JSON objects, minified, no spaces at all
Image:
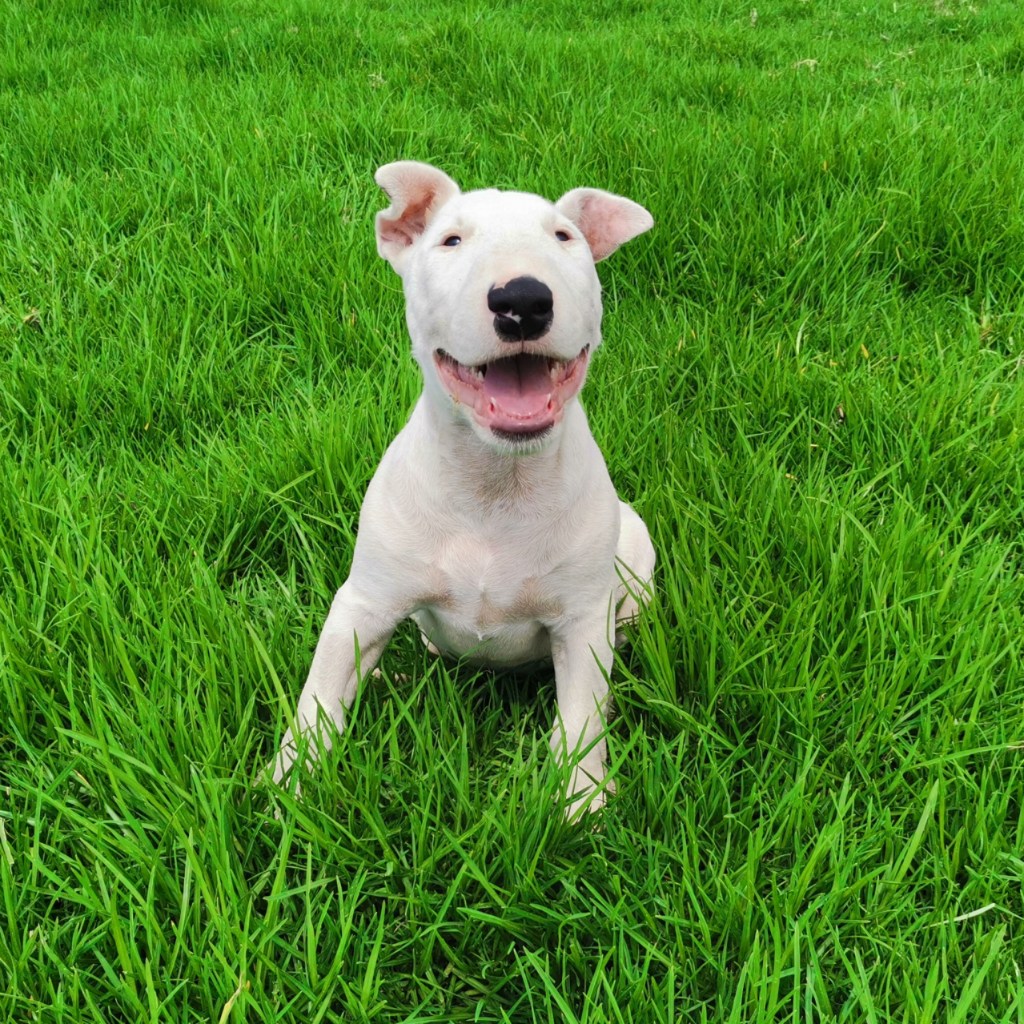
{"x":502,"y":299}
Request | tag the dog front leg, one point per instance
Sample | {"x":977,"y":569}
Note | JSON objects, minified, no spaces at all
{"x":582,"y":655}
{"x":350,"y":643}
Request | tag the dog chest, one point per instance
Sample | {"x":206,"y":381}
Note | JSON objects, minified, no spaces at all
{"x":483,"y":587}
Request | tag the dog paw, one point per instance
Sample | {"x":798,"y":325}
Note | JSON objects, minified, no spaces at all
{"x":586,"y":796}
{"x":398,"y":677}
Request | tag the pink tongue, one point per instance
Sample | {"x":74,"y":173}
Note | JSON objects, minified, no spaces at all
{"x":519,"y":386}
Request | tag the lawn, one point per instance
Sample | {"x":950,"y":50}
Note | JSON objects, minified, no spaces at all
{"x":811,"y":389}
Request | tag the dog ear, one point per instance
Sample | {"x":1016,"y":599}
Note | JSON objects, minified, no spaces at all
{"x":416,"y":192}
{"x":606,"y":220}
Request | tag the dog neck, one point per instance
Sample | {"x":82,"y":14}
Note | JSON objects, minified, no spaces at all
{"x":483,"y":477}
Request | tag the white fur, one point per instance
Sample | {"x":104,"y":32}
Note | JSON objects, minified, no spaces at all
{"x":502,"y":552}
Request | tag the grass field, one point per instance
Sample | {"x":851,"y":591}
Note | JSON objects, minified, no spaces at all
{"x":811,"y":388}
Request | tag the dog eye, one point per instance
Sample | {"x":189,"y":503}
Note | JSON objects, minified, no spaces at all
{"x":563,"y":236}
{"x":451,"y":241}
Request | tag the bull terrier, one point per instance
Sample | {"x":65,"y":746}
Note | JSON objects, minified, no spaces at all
{"x":491,"y":520}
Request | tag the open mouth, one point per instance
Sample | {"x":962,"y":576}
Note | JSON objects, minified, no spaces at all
{"x":519,"y":397}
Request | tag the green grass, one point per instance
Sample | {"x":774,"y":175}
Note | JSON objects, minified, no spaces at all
{"x":811,"y":388}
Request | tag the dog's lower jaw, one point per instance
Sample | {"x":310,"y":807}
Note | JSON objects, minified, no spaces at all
{"x":523,"y":439}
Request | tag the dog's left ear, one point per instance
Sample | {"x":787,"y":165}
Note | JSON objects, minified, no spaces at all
{"x":417,"y":191}
{"x":606,"y":220}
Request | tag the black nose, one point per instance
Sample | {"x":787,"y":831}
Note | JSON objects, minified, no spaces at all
{"x":522,"y":308}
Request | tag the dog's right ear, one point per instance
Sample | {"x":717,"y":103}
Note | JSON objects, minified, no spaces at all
{"x":417,"y":191}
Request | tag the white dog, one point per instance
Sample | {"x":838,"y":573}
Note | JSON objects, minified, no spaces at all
{"x":491,"y":520}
